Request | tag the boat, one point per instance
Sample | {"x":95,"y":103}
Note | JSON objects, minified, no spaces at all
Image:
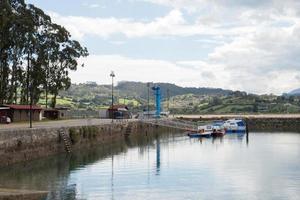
{"x":218,"y":133}
{"x":218,"y":129}
{"x":207,"y":131}
{"x":235,"y":126}
{"x":198,"y":135}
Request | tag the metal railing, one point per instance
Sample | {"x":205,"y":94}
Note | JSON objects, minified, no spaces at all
{"x":171,"y":123}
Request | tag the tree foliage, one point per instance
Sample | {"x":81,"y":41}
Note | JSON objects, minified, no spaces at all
{"x":36,"y":55}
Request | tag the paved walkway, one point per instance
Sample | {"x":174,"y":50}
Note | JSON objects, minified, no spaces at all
{"x":61,"y":123}
{"x":9,"y":194}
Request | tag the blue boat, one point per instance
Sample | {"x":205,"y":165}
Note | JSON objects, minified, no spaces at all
{"x":199,"y":135}
{"x":235,"y":126}
{"x":207,"y":131}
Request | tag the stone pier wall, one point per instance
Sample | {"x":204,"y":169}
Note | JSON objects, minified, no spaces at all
{"x":256,"y":123}
{"x":274,"y":124}
{"x":24,"y":145}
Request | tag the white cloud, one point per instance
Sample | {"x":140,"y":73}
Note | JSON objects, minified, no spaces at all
{"x":98,"y":68}
{"x":173,"y":24}
{"x":257,"y":45}
{"x":185,"y":73}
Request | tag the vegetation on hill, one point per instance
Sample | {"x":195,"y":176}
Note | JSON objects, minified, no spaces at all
{"x":295,"y":92}
{"x":181,"y":100}
{"x":236,"y":102}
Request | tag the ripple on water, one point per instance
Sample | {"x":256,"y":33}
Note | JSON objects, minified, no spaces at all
{"x":176,"y":167}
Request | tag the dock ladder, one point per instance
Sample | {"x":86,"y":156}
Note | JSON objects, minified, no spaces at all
{"x":66,"y":140}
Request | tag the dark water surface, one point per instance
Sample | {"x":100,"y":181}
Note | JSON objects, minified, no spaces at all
{"x":170,"y":166}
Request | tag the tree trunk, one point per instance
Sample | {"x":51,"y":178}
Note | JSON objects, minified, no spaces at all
{"x":53,"y":102}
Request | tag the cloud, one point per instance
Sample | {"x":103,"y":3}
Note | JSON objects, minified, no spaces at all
{"x":185,"y":73}
{"x":98,"y":68}
{"x":172,"y":24}
{"x":256,"y":44}
{"x":196,"y":5}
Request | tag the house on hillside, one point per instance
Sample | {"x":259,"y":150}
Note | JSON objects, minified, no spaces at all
{"x":18,"y":113}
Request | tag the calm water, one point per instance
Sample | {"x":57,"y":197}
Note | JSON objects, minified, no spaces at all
{"x":170,"y":166}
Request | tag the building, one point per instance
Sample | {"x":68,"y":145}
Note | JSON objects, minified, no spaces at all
{"x":18,"y":113}
{"x":119,"y":112}
{"x":56,"y":113}
{"x":91,"y":83}
{"x":103,"y":113}
{"x":51,"y":114}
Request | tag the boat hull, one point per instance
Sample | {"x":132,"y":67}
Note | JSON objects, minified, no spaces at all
{"x":235,"y":131}
{"x":199,"y":135}
{"x":218,"y":134}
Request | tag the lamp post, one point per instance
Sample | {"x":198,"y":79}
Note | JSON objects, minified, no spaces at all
{"x":168,"y":100}
{"x":30,"y":107}
{"x":112,"y":75}
{"x":148,"y":106}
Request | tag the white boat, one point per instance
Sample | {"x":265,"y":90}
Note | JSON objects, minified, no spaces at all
{"x":235,"y":126}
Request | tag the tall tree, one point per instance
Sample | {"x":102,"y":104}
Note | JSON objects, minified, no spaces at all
{"x":34,"y":53}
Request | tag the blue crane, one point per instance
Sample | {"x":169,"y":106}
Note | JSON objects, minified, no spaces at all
{"x":157,"y":93}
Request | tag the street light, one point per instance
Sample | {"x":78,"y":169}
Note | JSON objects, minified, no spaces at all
{"x":112,"y":75}
{"x":148,"y":106}
{"x":30,"y":107}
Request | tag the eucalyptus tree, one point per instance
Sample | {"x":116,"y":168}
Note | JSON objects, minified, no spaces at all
{"x":35,"y":53}
{"x":65,"y":60}
{"x":5,"y":25}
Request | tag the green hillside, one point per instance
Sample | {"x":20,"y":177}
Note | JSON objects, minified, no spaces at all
{"x":181,"y":100}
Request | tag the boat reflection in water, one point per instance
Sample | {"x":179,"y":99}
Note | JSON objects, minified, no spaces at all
{"x":169,"y":166}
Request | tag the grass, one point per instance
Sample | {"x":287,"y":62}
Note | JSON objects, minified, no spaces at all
{"x":134,"y":102}
{"x":59,"y":101}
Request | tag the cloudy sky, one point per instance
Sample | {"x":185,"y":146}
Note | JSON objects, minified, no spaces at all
{"x":250,"y":45}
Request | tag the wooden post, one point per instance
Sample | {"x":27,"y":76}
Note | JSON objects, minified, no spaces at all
{"x":247,"y":131}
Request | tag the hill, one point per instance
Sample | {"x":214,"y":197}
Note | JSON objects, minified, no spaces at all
{"x":132,"y":93}
{"x":295,"y":92}
{"x":139,"y":89}
{"x":182,"y":100}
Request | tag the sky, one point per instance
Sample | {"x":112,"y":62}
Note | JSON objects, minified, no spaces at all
{"x":248,"y":45}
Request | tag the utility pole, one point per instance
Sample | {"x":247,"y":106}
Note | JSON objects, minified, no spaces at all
{"x":29,"y":87}
{"x":30,"y":113}
{"x":148,"y":106}
{"x":168,"y":100}
{"x":112,"y":75}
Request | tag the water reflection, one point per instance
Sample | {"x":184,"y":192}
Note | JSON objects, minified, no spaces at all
{"x":169,"y":166}
{"x":157,"y":155}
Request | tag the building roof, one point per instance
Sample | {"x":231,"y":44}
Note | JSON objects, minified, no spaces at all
{"x":117,"y":107}
{"x":23,"y":107}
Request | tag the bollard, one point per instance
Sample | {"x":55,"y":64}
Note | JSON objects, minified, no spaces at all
{"x":247,"y":131}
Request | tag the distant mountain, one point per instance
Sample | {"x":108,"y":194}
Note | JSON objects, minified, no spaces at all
{"x":295,"y":92}
{"x":91,"y":93}
{"x":183,"y":100}
{"x":139,"y":89}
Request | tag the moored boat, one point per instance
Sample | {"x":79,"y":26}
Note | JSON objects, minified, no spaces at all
{"x":197,"y":135}
{"x":235,"y":126}
{"x":218,"y":133}
{"x":207,"y":131}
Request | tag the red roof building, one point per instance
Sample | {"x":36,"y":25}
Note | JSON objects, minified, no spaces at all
{"x":23,"y":107}
{"x":19,"y":113}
